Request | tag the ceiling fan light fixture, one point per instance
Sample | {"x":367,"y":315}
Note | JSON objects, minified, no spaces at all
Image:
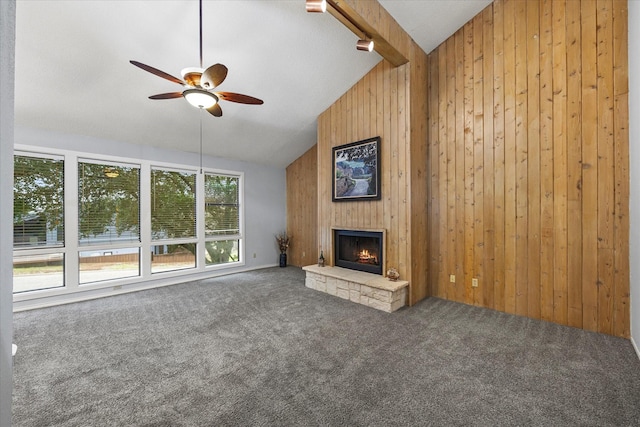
{"x":316,"y":6}
{"x":364,"y":44}
{"x":200,"y":98}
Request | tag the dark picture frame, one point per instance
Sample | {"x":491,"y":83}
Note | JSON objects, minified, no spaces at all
{"x":356,"y":171}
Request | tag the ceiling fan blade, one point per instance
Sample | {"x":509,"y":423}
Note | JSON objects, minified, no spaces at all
{"x":213,"y":76}
{"x":240,"y":98}
{"x":169,"y":95}
{"x":215,"y":110}
{"x":157,"y":72}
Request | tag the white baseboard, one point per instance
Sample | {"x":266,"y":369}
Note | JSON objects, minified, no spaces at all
{"x":635,"y":346}
{"x":70,"y":298}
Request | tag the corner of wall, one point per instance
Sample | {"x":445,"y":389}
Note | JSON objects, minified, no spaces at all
{"x":7,"y":71}
{"x":634,"y":171}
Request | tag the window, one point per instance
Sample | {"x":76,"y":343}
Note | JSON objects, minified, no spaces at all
{"x":108,"y":221}
{"x":172,"y":257}
{"x":222,"y":218}
{"x":108,"y":203}
{"x":99,"y":265}
{"x":38,"y":223}
{"x":85,"y":223}
{"x":173,"y":220}
{"x":222,"y":251}
{"x":38,"y":202}
{"x":38,"y":271}
{"x":173,"y":204}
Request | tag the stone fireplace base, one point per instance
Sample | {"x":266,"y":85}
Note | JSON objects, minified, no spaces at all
{"x":368,"y":289}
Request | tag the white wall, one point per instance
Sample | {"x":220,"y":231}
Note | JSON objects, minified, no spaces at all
{"x":264,"y":201}
{"x":7,"y":61}
{"x":634,"y":166}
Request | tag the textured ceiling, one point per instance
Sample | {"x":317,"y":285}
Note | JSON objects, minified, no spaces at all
{"x":73,"y":73}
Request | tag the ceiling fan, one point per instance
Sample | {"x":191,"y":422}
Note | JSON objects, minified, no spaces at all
{"x":199,"y":84}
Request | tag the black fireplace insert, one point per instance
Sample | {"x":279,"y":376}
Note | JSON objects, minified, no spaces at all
{"x":358,"y":250}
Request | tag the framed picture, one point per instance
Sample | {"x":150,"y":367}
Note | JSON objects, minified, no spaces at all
{"x":356,"y":171}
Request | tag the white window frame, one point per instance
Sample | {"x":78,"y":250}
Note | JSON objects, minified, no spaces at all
{"x":240,"y":235}
{"x":72,"y":249}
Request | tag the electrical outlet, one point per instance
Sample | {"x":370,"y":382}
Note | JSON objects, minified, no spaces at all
{"x":254,"y":254}
{"x":452,"y":278}
{"x":474,"y":283}
{"x":303,"y":253}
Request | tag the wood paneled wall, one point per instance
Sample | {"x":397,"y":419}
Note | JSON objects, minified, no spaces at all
{"x":302,"y":209}
{"x":384,"y":103}
{"x":376,"y":106}
{"x":528,"y":156}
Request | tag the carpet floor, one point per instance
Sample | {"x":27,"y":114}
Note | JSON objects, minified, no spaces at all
{"x":260,"y":349}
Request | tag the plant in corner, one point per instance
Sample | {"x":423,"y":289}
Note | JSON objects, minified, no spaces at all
{"x":283,"y":244}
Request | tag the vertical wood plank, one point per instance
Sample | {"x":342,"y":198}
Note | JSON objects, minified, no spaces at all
{"x":546,"y":161}
{"x":391,"y":217}
{"x":560,"y":162}
{"x":435,"y":252}
{"x":367,"y":102}
{"x":510,"y":231}
{"x":621,"y":292}
{"x":478,"y":153}
{"x":589,"y":167}
{"x":362,"y":132}
{"x":418,"y":202}
{"x":402,"y":212}
{"x":487,"y":287}
{"x":606,"y":173}
{"x":341,"y":138}
{"x":522,"y":296}
{"x":533,"y":159}
{"x":380,"y":119}
{"x":469,"y":174}
{"x":574,"y":166}
{"x":621,"y":146}
{"x":499,"y":159}
{"x":460,"y":167}
{"x":442,"y":155}
{"x":450,"y":261}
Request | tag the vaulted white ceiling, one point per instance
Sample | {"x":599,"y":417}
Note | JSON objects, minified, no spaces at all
{"x":73,"y":73}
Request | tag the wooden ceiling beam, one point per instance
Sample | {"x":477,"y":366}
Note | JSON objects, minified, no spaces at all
{"x":343,"y":11}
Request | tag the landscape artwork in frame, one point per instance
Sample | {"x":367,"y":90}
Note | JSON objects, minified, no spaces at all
{"x":356,"y":171}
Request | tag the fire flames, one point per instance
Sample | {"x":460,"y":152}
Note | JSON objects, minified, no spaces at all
{"x":366,"y":258}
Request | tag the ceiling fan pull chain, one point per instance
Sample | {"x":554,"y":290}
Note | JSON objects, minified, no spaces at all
{"x":200,"y":141}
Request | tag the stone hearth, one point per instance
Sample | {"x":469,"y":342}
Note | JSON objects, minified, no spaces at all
{"x":368,"y":289}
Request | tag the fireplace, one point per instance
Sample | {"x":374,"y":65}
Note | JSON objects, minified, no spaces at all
{"x":358,"y":250}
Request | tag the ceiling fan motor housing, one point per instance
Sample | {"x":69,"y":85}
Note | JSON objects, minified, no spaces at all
{"x":192,"y":76}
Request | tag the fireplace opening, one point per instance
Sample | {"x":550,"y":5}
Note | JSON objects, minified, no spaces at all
{"x":358,"y":250}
